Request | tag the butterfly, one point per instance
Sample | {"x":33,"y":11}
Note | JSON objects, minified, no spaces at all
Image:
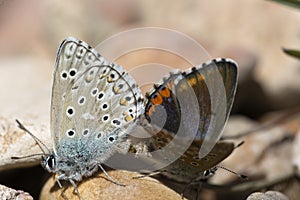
{"x":94,"y":106}
{"x":186,"y":146}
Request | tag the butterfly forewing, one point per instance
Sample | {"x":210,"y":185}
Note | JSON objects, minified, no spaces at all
{"x":92,"y":100}
{"x":220,"y":77}
{"x":71,"y":58}
{"x":213,"y":86}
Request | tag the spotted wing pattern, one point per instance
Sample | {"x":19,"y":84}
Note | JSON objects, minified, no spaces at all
{"x":94,"y":103}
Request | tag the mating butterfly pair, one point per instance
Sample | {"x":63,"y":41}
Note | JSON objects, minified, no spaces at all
{"x":95,"y":105}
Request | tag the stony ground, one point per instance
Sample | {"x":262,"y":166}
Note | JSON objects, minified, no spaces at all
{"x":266,"y":109}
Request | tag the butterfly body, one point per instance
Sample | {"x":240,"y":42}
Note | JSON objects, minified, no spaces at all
{"x":73,"y":160}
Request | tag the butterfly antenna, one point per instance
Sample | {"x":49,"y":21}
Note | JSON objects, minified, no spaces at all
{"x":239,"y":175}
{"x":37,"y":140}
{"x":29,"y":156}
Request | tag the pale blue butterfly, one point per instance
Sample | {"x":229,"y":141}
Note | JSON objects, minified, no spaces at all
{"x":94,"y":106}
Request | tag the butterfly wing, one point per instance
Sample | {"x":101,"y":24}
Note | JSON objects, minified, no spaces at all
{"x":92,"y":99}
{"x":218,"y":153}
{"x":203,"y":112}
{"x":190,"y":167}
{"x":221,"y":81}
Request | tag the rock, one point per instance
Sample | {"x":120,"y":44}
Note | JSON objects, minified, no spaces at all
{"x":262,"y":149}
{"x":98,"y":187}
{"x":296,"y":154}
{"x":15,"y":142}
{"x":8,"y":193}
{"x":269,"y":195}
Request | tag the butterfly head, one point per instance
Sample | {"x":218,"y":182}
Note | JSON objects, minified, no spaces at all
{"x":49,"y":163}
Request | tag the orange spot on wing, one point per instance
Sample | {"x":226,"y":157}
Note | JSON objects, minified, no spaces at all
{"x":165,"y":92}
{"x":157,"y":100}
{"x":192,"y":81}
{"x":128,"y":118}
{"x":201,"y":77}
{"x":123,"y":102}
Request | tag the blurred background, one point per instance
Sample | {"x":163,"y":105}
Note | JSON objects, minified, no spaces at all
{"x":252,"y":32}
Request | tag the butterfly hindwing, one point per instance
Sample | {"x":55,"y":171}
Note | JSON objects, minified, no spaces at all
{"x":191,"y":168}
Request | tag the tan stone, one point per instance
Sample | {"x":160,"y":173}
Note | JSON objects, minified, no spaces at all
{"x":8,"y":193}
{"x":98,"y":187}
{"x":269,"y":195}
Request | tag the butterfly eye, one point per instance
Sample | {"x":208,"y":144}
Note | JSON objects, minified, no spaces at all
{"x":49,"y":163}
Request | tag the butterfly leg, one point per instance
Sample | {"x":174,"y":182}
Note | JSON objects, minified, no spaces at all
{"x":61,"y":177}
{"x":199,"y":181}
{"x":74,"y":185}
{"x":58,"y":182}
{"x":109,"y":177}
{"x":64,"y":177}
{"x":75,"y":191}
